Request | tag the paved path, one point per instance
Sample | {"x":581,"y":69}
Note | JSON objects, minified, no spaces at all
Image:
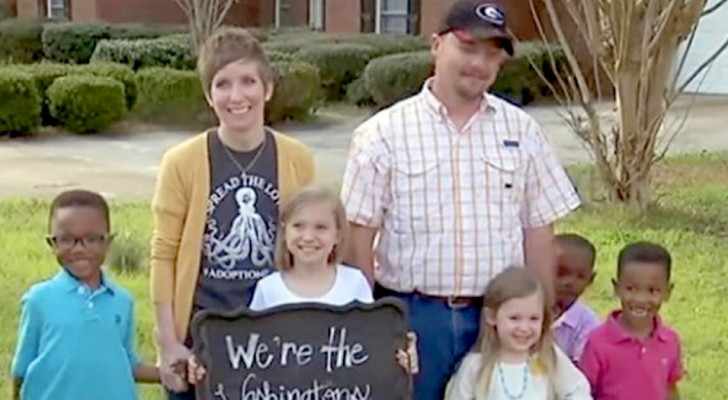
{"x":124,"y":165}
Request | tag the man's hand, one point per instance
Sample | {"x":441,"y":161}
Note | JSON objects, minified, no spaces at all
{"x":540,"y":252}
{"x":360,"y":253}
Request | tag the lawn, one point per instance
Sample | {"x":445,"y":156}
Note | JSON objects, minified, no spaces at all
{"x":690,"y":217}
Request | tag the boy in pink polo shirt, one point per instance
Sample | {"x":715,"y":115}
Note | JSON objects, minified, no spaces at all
{"x":633,"y":355}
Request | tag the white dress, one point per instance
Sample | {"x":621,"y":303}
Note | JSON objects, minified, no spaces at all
{"x":350,"y":285}
{"x":515,"y":381}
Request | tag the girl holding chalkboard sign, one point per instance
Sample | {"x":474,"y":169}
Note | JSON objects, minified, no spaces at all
{"x":311,"y":236}
{"x":515,"y":357}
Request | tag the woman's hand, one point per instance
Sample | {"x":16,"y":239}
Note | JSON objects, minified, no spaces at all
{"x":173,"y":370}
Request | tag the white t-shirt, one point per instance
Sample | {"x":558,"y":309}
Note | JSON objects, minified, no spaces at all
{"x":350,"y":285}
{"x":520,"y":383}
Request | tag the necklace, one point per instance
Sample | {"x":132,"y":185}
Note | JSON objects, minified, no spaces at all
{"x":524,"y":384}
{"x":244,"y":171}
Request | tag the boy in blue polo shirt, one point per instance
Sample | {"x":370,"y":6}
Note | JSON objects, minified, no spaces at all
{"x":76,"y":333}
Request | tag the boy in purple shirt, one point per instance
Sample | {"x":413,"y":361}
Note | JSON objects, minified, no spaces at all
{"x":574,"y":273}
{"x":633,"y":355}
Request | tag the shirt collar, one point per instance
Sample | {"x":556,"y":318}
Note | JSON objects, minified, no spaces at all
{"x":435,"y":105}
{"x":71,"y":283}
{"x":618,"y":334}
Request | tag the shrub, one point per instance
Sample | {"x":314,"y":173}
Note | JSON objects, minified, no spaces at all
{"x":275,"y":56}
{"x":20,"y":40}
{"x":339,"y":64}
{"x":44,"y":74}
{"x":127,"y":254}
{"x":174,"y":51}
{"x":73,"y":42}
{"x":171,"y":96}
{"x":85,"y":104}
{"x":20,"y":102}
{"x":120,"y":72}
{"x":385,"y":44}
{"x":394,"y":77}
{"x":357,"y":93}
{"x":297,"y":91}
{"x":519,"y":81}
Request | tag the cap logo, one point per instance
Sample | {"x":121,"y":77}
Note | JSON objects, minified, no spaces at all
{"x":491,"y":13}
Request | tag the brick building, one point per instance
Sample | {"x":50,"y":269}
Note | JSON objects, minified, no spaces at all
{"x":336,"y":16}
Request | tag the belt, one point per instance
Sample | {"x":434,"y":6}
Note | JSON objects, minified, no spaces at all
{"x":459,"y":301}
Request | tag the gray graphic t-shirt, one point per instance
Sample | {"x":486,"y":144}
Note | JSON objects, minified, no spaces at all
{"x":242,"y":218}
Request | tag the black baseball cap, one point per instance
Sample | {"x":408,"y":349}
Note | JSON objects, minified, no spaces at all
{"x":480,"y":19}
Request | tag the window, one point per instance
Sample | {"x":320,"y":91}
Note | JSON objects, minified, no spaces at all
{"x":284,"y":13}
{"x":393,"y":16}
{"x":316,"y":14}
{"x":57,"y":9}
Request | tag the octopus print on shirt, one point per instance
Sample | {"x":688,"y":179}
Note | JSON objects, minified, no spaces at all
{"x":240,"y":233}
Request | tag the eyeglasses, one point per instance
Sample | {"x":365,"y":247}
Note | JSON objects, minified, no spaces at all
{"x":67,"y":242}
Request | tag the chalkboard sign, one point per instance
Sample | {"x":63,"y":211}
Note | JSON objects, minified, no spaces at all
{"x":304,"y":352}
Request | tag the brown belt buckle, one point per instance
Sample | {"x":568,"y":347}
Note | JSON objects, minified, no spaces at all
{"x":458,"y":302}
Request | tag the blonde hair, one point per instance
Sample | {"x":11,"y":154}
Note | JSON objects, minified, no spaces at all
{"x":514,"y":283}
{"x":313,"y":194}
{"x":228,"y":45}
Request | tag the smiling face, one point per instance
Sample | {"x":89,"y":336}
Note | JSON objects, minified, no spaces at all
{"x":466,"y":65}
{"x":238,"y":93}
{"x":79,"y":240}
{"x":311,"y":234}
{"x":518,"y":323}
{"x":642,"y":287}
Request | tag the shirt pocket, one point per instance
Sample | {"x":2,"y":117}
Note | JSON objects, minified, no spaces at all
{"x":502,"y":190}
{"x":416,"y":192}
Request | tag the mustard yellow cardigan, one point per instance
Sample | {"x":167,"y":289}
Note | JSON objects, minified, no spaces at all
{"x":179,"y":207}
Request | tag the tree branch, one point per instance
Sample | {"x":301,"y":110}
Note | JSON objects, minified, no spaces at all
{"x":712,"y":9}
{"x":702,"y":67}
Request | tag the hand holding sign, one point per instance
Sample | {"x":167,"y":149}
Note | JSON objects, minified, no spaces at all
{"x":304,"y":351}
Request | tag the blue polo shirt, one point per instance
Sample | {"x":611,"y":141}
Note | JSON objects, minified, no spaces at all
{"x":75,"y":343}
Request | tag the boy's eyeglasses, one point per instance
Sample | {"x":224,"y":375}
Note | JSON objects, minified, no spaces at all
{"x":65,"y":242}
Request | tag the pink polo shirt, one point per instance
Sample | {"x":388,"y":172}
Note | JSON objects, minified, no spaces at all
{"x":622,"y":367}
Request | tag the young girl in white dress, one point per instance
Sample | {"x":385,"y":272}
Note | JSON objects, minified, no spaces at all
{"x":515,"y":357}
{"x":311,"y":239}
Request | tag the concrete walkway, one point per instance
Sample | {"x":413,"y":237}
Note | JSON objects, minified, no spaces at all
{"x":124,"y":165}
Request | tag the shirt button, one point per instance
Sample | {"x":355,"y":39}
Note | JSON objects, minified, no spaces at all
{"x":644,"y":350}
{"x":81,"y":290}
{"x":90,"y":305}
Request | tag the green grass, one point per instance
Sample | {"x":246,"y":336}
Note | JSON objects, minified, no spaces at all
{"x":690,"y":217}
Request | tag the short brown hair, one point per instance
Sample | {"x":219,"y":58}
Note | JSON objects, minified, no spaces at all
{"x":228,"y":45}
{"x":312,"y":194}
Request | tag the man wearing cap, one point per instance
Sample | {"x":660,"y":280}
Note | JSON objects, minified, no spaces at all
{"x":457,"y":185}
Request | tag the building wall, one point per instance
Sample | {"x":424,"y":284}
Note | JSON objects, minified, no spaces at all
{"x":28,"y":9}
{"x":342,"y":16}
{"x":245,"y":12}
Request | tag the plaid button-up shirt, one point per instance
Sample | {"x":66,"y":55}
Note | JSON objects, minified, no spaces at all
{"x":451,"y":205}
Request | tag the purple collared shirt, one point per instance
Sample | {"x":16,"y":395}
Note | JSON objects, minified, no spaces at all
{"x":622,"y":367}
{"x":572,"y":328}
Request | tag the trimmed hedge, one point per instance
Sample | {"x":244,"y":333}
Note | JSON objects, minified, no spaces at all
{"x":519,"y":81}
{"x":21,"y":40}
{"x":85,"y":104}
{"x":20,"y":103}
{"x":394,"y":77}
{"x":297,"y":91}
{"x":44,"y":74}
{"x":120,"y":72}
{"x":357,"y":93}
{"x":75,"y":42}
{"x":339,"y":64}
{"x":168,"y":95}
{"x":173,"y":51}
